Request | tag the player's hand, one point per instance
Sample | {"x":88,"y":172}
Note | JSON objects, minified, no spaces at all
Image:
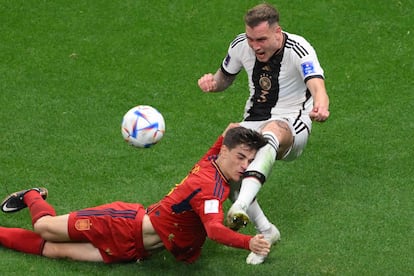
{"x":207,"y":83}
{"x":319,"y":114}
{"x":259,"y":245}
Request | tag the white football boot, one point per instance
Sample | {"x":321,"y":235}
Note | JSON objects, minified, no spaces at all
{"x":272,"y":235}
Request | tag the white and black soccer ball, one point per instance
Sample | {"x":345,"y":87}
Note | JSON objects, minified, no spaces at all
{"x":143,"y":126}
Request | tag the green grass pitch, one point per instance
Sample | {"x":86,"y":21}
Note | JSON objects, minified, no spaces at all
{"x":69,"y":70}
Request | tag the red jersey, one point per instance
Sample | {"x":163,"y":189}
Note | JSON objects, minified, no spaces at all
{"x":193,"y":210}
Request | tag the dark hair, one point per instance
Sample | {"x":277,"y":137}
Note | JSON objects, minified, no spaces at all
{"x":241,"y":135}
{"x":261,"y":13}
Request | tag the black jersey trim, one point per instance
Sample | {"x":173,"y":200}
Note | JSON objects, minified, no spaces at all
{"x":237,"y":40}
{"x":296,"y":47}
{"x":300,"y":126}
{"x":227,"y":73}
{"x":313,"y":77}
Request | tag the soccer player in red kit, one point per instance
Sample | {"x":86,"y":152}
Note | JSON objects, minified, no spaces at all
{"x":125,"y":232}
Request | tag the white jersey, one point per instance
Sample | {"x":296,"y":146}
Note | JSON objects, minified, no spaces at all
{"x":277,"y":87}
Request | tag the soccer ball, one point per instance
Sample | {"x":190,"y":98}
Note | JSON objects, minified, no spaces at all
{"x":143,"y":126}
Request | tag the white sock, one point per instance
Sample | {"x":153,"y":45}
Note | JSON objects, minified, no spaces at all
{"x":261,"y":168}
{"x":257,"y":217}
{"x":249,"y":188}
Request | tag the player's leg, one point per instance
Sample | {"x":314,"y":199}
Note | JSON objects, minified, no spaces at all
{"x":280,"y":137}
{"x":53,"y":228}
{"x":73,"y":251}
{"x":258,"y":218}
{"x":14,"y":202}
{"x":44,"y":220}
{"x":255,"y":213}
{"x":29,"y":242}
{"x":21,"y":240}
{"x":263,"y":226}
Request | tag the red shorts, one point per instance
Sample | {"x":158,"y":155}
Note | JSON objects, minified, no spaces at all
{"x":115,"y":229}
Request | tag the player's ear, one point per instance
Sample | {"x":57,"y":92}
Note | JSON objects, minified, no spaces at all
{"x":277,"y":29}
{"x":224,"y":150}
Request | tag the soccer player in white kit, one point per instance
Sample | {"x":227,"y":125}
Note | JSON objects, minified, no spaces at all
{"x":287,"y":93}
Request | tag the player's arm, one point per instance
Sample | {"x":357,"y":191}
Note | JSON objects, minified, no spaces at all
{"x":215,"y":83}
{"x":217,"y":232}
{"x":320,"y":111}
{"x":211,"y":214}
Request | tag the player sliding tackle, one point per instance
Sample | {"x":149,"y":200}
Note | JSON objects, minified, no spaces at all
{"x":287,"y":92}
{"x":124,"y":232}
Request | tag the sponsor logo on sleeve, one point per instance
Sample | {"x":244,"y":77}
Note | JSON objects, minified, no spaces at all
{"x":211,"y":206}
{"x":307,"y":68}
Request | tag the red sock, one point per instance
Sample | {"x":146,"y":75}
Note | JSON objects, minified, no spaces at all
{"x":21,"y":240}
{"x":38,"y":207}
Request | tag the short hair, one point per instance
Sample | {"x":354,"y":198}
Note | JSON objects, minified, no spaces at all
{"x":243,"y":136}
{"x":261,"y":13}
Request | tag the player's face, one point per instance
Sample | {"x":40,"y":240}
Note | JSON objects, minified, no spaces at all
{"x":233,"y":163}
{"x":265,"y":40}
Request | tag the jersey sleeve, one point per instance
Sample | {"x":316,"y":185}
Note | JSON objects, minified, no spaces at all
{"x":232,"y":63}
{"x":212,"y":215}
{"x":217,"y":232}
{"x":307,"y":61}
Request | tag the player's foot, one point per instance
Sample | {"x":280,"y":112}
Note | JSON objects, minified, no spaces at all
{"x":237,"y":217}
{"x":272,"y":236}
{"x":14,"y":202}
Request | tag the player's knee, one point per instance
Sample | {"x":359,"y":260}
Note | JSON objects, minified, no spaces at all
{"x":281,"y":131}
{"x":41,"y":226}
{"x":278,"y":127}
{"x":52,"y":250}
{"x":280,"y":138}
